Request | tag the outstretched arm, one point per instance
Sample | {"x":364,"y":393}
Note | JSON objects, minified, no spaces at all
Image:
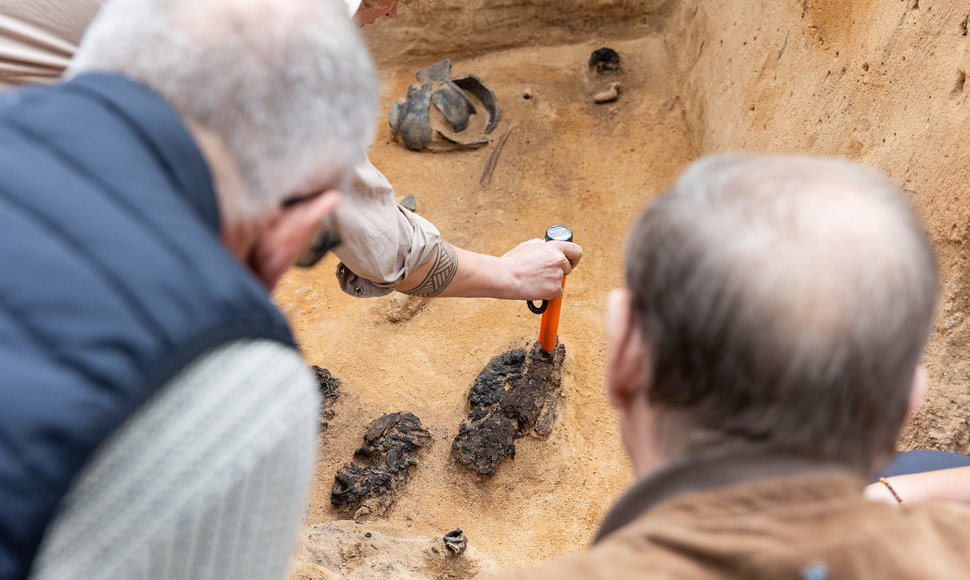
{"x":943,"y":484}
{"x":533,"y":270}
{"x":386,"y":247}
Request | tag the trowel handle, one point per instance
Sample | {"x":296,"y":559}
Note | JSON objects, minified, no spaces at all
{"x":557,"y":233}
{"x":549,"y":323}
{"x":537,"y":309}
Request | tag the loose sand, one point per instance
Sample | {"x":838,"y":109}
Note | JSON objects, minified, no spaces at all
{"x":881,"y":83}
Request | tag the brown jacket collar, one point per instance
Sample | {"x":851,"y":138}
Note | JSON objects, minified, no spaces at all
{"x":704,"y":474}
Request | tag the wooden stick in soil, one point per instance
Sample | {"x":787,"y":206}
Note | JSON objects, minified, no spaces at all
{"x":490,"y":165}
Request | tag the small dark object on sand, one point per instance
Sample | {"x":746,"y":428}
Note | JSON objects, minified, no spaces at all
{"x":515,"y":394}
{"x":381,"y":466}
{"x":409,"y":202}
{"x":604,"y":60}
{"x":455,"y":542}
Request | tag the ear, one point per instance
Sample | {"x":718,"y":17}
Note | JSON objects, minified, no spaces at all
{"x":917,"y":392}
{"x":626,"y":364}
{"x":288,"y":232}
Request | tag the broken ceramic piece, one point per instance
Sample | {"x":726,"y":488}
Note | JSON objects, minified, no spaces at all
{"x":459,"y":143}
{"x":437,"y":73}
{"x":479,"y":89}
{"x":454,"y":105}
{"x":410,"y":117}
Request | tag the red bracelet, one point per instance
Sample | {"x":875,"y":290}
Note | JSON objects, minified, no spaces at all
{"x":883,"y":481}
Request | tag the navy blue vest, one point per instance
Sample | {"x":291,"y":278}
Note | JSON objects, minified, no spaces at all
{"x":112,"y":279}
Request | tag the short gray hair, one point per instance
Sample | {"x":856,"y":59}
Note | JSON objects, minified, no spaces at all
{"x":287,"y":84}
{"x":786,"y":302}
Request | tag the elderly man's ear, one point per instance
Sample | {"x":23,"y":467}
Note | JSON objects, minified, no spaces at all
{"x":288,"y":232}
{"x":626,"y":365}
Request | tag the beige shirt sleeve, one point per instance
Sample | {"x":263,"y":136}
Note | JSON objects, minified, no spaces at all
{"x":381,"y":242}
{"x":39,"y":37}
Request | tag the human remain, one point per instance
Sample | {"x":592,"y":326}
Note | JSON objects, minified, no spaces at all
{"x":157,"y":420}
{"x":384,"y":246}
{"x":761,"y":361}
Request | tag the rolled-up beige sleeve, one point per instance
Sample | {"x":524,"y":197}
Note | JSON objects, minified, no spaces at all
{"x":39,"y":37}
{"x":381,"y":242}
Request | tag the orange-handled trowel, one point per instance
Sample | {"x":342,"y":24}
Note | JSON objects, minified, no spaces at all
{"x":549,"y":323}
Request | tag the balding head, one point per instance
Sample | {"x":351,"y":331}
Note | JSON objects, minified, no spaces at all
{"x":785,"y":303}
{"x":288,"y":86}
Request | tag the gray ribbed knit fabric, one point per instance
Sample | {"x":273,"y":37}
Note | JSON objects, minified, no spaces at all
{"x":208,"y":480}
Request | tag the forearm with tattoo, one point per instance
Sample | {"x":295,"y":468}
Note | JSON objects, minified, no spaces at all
{"x":442,"y":272}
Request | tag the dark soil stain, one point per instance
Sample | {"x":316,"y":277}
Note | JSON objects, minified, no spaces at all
{"x":381,"y":466}
{"x":328,"y":393}
{"x":515,"y":394}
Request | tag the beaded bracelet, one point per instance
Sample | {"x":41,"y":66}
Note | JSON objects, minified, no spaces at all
{"x":885,"y":482}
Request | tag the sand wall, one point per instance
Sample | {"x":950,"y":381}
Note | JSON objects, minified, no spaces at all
{"x":435,"y":27}
{"x":880,"y":83}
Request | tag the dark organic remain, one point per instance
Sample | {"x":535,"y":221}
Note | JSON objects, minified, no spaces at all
{"x":515,"y":394}
{"x":381,"y":465}
{"x":328,"y":393}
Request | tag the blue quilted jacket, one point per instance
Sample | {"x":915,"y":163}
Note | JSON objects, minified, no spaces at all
{"x":112,"y":279}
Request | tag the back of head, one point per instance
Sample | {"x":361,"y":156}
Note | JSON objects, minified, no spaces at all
{"x":288,"y":86}
{"x":785,"y":302}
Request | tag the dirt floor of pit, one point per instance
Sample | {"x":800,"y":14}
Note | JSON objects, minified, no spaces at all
{"x":882,"y":84}
{"x":567,"y":161}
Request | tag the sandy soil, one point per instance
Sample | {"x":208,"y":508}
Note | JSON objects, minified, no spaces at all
{"x":880,"y":83}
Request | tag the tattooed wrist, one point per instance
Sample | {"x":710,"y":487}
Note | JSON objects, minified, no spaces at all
{"x":444,"y":265}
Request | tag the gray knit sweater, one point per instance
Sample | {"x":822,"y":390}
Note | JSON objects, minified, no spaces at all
{"x":208,"y":480}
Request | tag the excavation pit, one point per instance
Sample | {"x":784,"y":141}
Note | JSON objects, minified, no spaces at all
{"x":878,"y":83}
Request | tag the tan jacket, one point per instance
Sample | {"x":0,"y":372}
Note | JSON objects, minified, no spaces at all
{"x":804,"y":523}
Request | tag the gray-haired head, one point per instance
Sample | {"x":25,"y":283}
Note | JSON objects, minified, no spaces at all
{"x":287,"y":85}
{"x":786,"y":302}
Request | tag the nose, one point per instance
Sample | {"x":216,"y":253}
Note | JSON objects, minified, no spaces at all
{"x":392,"y":11}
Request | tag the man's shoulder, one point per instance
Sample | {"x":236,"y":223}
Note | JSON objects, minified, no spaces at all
{"x":784,"y":526}
{"x":621,"y":557}
{"x":949,"y":518}
{"x":778,"y":528}
{"x":247,"y":362}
